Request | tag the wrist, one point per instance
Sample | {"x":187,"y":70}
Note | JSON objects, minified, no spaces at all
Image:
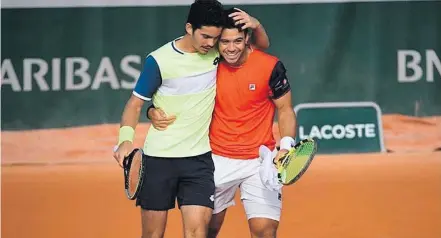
{"x":126,"y":133}
{"x":258,"y":25}
{"x":148,"y":110}
{"x":286,"y":143}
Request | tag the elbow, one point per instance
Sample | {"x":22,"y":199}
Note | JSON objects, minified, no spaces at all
{"x":265,"y":45}
{"x":134,"y":104}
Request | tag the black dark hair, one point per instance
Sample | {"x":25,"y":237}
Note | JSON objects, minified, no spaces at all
{"x":229,"y":22}
{"x":206,"y":13}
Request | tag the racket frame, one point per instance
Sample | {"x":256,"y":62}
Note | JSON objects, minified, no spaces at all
{"x":290,"y":155}
{"x":127,"y":162}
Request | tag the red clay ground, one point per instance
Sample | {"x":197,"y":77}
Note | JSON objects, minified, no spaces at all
{"x":342,"y":196}
{"x":91,"y":144}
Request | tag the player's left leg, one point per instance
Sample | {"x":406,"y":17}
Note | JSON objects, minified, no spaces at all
{"x":196,"y":194}
{"x":196,"y":219}
{"x":262,"y":207}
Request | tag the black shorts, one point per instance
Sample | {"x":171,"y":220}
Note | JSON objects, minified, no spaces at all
{"x":190,"y":180}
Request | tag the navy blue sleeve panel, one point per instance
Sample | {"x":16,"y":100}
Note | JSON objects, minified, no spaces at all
{"x":149,"y":80}
{"x":278,"y":82}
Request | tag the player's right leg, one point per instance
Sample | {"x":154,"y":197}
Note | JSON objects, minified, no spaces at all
{"x":157,"y":195}
{"x":228,"y":175}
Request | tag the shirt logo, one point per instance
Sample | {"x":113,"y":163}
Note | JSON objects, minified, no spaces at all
{"x":212,"y":198}
{"x":216,"y":61}
{"x":252,"y":87}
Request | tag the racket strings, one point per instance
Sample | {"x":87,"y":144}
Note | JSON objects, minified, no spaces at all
{"x":287,"y":158}
{"x":306,"y":149}
{"x":297,"y":161}
{"x":134,"y":174}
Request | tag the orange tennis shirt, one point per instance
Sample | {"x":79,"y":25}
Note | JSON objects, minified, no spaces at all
{"x":244,"y":111}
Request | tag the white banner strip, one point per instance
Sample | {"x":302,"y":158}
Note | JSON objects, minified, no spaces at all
{"x":132,"y":3}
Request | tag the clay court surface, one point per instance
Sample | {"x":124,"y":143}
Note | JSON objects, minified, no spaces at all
{"x":65,"y":183}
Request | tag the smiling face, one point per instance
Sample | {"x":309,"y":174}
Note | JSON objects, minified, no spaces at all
{"x":232,"y":45}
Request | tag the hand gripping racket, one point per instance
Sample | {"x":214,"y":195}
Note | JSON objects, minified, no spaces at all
{"x":296,"y":161}
{"x":134,"y":168}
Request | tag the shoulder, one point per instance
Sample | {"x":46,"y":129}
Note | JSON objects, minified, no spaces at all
{"x":161,"y":57}
{"x":163,"y":51}
{"x":167,"y":50}
{"x":262,"y":61}
{"x":263,"y":56}
{"x":151,"y":63}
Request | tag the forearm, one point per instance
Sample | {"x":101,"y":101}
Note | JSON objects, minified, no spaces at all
{"x":287,"y":123}
{"x":261,"y":39}
{"x":130,"y":116}
{"x":129,"y":121}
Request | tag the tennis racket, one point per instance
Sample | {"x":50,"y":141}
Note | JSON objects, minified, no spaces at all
{"x":296,"y":161}
{"x":134,"y":168}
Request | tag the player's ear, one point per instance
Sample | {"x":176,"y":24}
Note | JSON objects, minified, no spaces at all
{"x":189,"y":29}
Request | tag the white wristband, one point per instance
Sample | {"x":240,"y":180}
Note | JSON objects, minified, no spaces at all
{"x":286,"y":143}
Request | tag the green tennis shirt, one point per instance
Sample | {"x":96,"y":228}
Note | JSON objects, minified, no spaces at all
{"x":182,"y":84}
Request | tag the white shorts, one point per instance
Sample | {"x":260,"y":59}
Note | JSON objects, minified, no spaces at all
{"x":231,"y":174}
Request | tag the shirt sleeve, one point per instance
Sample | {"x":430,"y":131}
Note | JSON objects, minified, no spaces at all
{"x":278,"y":83}
{"x":149,"y":80}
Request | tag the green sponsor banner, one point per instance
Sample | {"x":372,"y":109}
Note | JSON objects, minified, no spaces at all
{"x":71,"y":63}
{"x":352,"y":127}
